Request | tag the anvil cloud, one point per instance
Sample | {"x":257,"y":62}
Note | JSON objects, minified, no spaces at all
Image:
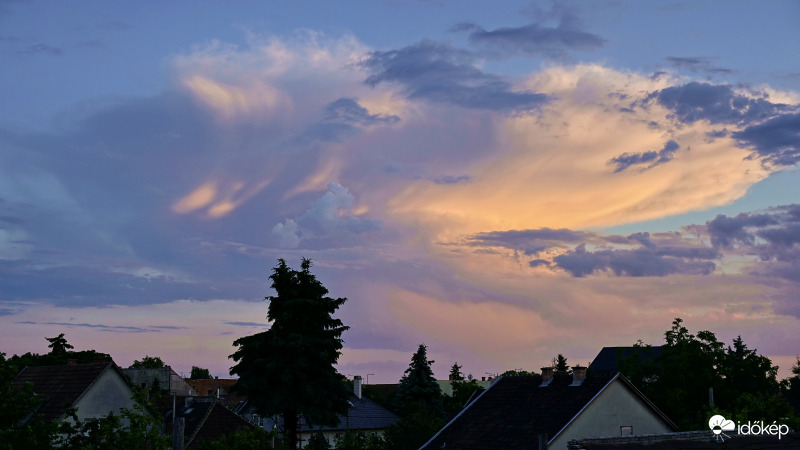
{"x":501,"y":186}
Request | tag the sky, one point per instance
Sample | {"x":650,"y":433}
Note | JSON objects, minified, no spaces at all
{"x":502,"y":182}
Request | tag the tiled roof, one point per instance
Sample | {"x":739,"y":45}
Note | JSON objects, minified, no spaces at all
{"x":59,"y":387}
{"x":609,"y":357}
{"x":209,"y":387}
{"x":209,"y":421}
{"x":513,"y":411}
{"x":694,"y":440}
{"x":364,"y":414}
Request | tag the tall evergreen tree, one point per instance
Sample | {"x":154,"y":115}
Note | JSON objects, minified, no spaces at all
{"x":560,"y":364}
{"x":59,"y":345}
{"x":288,"y":370}
{"x":418,"y":385}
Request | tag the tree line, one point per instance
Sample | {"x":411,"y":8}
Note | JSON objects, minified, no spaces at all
{"x":289,"y":372}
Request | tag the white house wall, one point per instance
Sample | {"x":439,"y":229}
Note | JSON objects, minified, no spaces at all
{"x":614,"y":407}
{"x":109,"y":393}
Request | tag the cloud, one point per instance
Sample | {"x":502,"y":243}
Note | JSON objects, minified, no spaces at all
{"x":696,"y":64}
{"x":725,"y":231}
{"x":633,"y":263}
{"x":42,"y":49}
{"x":246,"y":324}
{"x":777,"y":140}
{"x":542,"y":165}
{"x":715,"y":103}
{"x":333,"y":213}
{"x":442,"y":74}
{"x":626,"y":160}
{"x":532,"y":39}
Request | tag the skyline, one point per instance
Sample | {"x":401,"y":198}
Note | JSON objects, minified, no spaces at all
{"x":500,"y":183}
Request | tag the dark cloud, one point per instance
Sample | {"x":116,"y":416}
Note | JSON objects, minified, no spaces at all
{"x":9,"y":311}
{"x":696,"y":64}
{"x":441,"y":74}
{"x":115,"y":328}
{"x":715,"y":103}
{"x":453,"y":179}
{"x":652,"y":158}
{"x":633,"y":263}
{"x":246,"y":324}
{"x":777,"y":140}
{"x":539,"y":263}
{"x":42,"y":49}
{"x":533,"y":39}
{"x":348,"y":110}
{"x":528,"y":241}
{"x":725,"y":231}
{"x":716,"y":134}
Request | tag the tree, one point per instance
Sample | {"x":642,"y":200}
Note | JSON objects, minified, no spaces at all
{"x":59,"y":345}
{"x":680,"y":379}
{"x":148,"y":362}
{"x":418,"y":385}
{"x":199,"y":374}
{"x":288,"y":370}
{"x":455,"y":372}
{"x":560,"y":364}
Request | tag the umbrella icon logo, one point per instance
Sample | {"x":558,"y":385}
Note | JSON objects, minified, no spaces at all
{"x":718,"y":424}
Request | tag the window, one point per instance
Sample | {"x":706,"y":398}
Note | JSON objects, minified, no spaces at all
{"x":626,"y":430}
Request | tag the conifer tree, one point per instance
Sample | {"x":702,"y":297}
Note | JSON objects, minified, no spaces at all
{"x":418,"y":385}
{"x":288,"y":370}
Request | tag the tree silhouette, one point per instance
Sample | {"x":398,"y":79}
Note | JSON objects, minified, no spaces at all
{"x":288,"y":370}
{"x":58,"y":345}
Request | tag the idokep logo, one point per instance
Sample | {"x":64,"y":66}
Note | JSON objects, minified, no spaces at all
{"x":718,"y":424}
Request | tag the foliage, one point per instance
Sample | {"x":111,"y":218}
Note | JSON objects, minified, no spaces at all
{"x":359,"y":440}
{"x":289,"y":369}
{"x":519,"y":373}
{"x":414,"y":429}
{"x":199,"y":374}
{"x":59,"y":355}
{"x":317,"y":441}
{"x":678,"y":380}
{"x":418,"y":385}
{"x":455,"y":373}
{"x":463,"y":391}
{"x":790,"y":388}
{"x":560,"y":364}
{"x":148,"y":362}
{"x":244,"y":438}
{"x":58,"y":345}
{"x":15,"y":406}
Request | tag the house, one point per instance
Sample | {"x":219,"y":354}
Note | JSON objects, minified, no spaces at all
{"x":609,"y":357}
{"x":688,"y":440}
{"x":220,"y":389}
{"x":93,"y":389}
{"x":363,"y":415}
{"x":164,"y":378}
{"x":525,"y":412}
{"x":206,"y":421}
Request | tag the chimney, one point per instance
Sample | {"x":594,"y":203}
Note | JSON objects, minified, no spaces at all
{"x":357,"y":386}
{"x":547,"y":375}
{"x":216,"y":380}
{"x":578,"y":375}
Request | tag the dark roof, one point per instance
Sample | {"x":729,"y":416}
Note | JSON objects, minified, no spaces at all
{"x":59,"y":387}
{"x":364,"y":414}
{"x":513,"y":411}
{"x":209,"y":421}
{"x":667,"y":442}
{"x":609,"y":357}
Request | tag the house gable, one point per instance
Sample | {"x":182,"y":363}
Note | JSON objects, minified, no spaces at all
{"x":614,"y":407}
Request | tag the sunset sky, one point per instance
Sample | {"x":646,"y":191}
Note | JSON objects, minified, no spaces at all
{"x":502,"y":181}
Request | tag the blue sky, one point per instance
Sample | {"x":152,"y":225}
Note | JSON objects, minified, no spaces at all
{"x":501,"y":182}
